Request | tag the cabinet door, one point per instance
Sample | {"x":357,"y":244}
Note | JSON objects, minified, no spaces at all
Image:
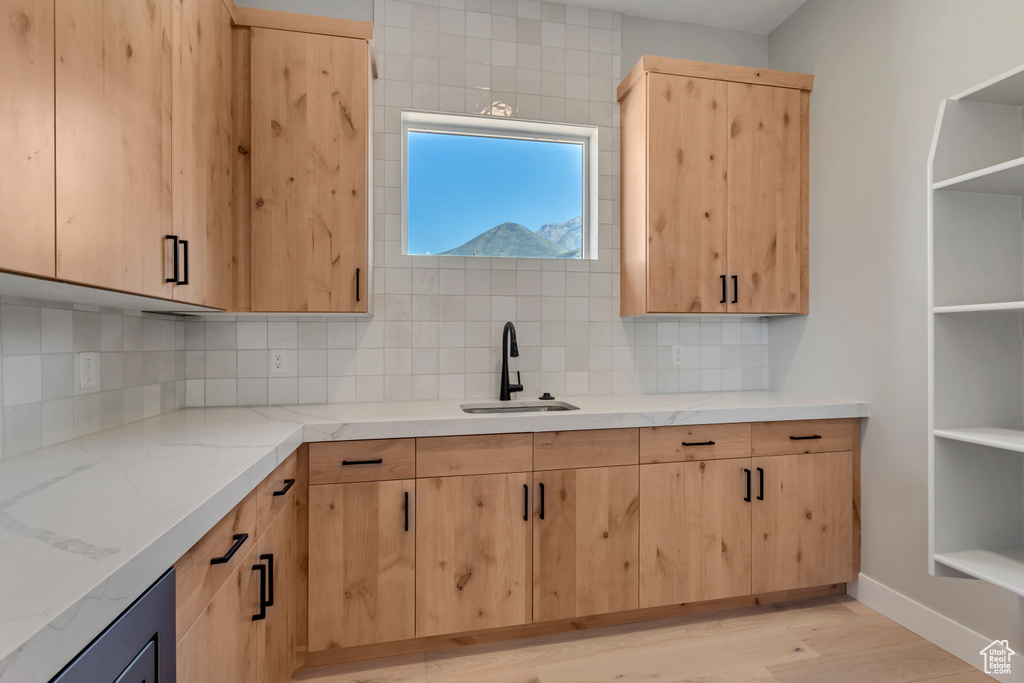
{"x":803,"y":529}
{"x":26,"y":137}
{"x":585,"y":542}
{"x":686,"y":214}
{"x":473,"y":566}
{"x":203,"y":155}
{"x":113,"y":134}
{"x":767,"y":220}
{"x":694,"y":531}
{"x":362,"y":571}
{"x":310,"y":120}
{"x":279,"y":549}
{"x":221,"y":645}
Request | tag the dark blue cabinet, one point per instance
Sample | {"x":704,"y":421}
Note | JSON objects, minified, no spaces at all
{"x":137,"y":648}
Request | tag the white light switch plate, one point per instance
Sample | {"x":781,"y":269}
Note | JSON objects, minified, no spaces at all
{"x":88,"y":370}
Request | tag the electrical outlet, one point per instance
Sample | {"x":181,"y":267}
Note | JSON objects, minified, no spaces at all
{"x":88,"y":370}
{"x":677,"y":355}
{"x":278,"y":362}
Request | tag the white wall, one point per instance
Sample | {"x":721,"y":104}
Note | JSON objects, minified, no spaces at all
{"x":881,"y":68}
{"x":688,"y":41}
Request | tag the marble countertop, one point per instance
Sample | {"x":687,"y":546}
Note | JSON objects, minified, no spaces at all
{"x":86,"y":526}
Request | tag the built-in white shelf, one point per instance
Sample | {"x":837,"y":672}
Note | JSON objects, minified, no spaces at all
{"x":1000,"y":307}
{"x":1003,"y":567}
{"x":1007,"y":439}
{"x":1007,"y":89}
{"x":1004,"y":178}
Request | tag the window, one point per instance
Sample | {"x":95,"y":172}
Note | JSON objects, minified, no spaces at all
{"x":497,"y":187}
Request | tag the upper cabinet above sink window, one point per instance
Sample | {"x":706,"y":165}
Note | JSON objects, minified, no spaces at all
{"x":714,"y":189}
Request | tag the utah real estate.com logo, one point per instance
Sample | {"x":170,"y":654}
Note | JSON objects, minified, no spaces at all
{"x":997,"y":658}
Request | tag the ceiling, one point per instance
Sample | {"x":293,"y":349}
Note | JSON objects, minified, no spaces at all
{"x":751,"y":16}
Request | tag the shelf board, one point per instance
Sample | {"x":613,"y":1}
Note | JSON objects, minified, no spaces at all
{"x":1005,"y":178}
{"x":1001,"y":307}
{"x":1007,"y":439}
{"x":1007,"y":88}
{"x":1003,"y":567}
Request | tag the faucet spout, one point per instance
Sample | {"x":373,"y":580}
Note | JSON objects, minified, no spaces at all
{"x":509,"y":347}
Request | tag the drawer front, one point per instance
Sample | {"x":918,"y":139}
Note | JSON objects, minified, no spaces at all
{"x":276,"y":491}
{"x":196,"y":579}
{"x":802,"y":436}
{"x":447,"y":456}
{"x":587,"y":448}
{"x":695,"y":442}
{"x":342,"y":462}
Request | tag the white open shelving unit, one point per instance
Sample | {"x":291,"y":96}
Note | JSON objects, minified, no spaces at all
{"x":976,"y":335}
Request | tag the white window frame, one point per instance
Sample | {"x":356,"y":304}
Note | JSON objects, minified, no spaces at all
{"x":515,"y":129}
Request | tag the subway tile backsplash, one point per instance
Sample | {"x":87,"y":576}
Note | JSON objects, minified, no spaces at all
{"x":436,"y":330}
{"x":141,"y":370}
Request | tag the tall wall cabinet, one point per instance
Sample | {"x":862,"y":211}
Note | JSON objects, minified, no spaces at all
{"x":714,"y":189}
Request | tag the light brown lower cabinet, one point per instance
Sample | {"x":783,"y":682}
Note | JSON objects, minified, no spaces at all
{"x":585,"y":531}
{"x":473,"y":543}
{"x":278,"y":549}
{"x":803,"y":527}
{"x":362,"y":571}
{"x":694,"y":531}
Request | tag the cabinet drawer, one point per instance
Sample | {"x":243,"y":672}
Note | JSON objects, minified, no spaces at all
{"x":695,"y":442}
{"x":196,"y":579}
{"x":587,"y":448}
{"x":802,"y":436}
{"x":276,"y":491}
{"x":341,"y":462}
{"x":445,"y":456}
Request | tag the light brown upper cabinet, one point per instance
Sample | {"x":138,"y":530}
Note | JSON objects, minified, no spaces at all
{"x":26,"y":137}
{"x":310,"y":172}
{"x":113,"y":142}
{"x":714,"y":189}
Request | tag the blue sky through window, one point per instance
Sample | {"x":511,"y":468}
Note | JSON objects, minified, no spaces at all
{"x":460,"y":186}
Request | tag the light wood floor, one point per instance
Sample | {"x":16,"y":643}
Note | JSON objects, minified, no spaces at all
{"x":824,"y":640}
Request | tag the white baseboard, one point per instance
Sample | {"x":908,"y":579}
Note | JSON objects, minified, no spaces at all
{"x":950,"y":635}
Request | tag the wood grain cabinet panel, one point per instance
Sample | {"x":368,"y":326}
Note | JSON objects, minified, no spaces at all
{"x":339,"y":462}
{"x":362,"y":563}
{"x":473,"y":547}
{"x":586,"y":526}
{"x":310,"y":131}
{"x":113,"y":143}
{"x":803,"y":436}
{"x":279,"y":549}
{"x":446,"y":456}
{"x":766,"y":235}
{"x":694,"y":442}
{"x":803,"y":527}
{"x":26,"y":137}
{"x":694,"y":531}
{"x":585,"y":448}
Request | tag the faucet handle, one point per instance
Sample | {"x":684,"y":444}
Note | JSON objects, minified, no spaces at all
{"x":518,"y":386}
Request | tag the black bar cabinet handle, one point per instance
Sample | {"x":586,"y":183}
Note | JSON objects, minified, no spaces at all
{"x":805,"y":438}
{"x":269,"y":557}
{"x":698,"y":443}
{"x":406,"y":510}
{"x":357,"y":284}
{"x":239,"y":539}
{"x":287,"y":485}
{"x":262,"y":569}
{"x":174,"y":245}
{"x":542,"y":501}
{"x":746,"y":498}
{"x":346,"y":463}
{"x":760,"y":489}
{"x":725,"y":288}
{"x":735,"y":289}
{"x":184,"y":258}
{"x":526,"y":503}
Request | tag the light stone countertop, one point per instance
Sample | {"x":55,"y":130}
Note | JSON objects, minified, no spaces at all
{"x":86,"y":526}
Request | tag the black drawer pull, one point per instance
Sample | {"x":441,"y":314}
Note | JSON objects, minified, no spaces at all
{"x":239,"y":539}
{"x":262,"y":569}
{"x":805,"y":438}
{"x":357,"y":284}
{"x":346,"y":463}
{"x":184,"y":261}
{"x":746,"y":498}
{"x":287,"y":485}
{"x":725,"y":286}
{"x":406,"y":510}
{"x":526,"y":503}
{"x":269,"y":557}
{"x":735,"y":289}
{"x":542,"y":501}
{"x":760,"y":474}
{"x":698,"y":443}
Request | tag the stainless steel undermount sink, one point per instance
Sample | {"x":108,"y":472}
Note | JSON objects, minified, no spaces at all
{"x":518,"y":407}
